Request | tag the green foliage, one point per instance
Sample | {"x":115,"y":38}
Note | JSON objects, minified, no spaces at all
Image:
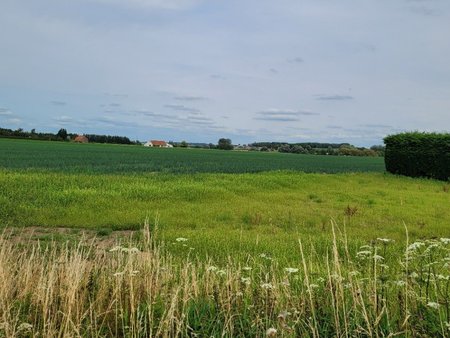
{"x":418,"y":155}
{"x":62,"y":134}
{"x":225,"y":144}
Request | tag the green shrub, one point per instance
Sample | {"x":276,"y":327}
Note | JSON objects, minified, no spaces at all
{"x":418,"y":155}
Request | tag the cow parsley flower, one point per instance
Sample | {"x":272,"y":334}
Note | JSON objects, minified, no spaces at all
{"x":245,"y":280}
{"x":267,"y":286}
{"x":433,"y":305}
{"x":181,"y":239}
{"x":291,"y":270}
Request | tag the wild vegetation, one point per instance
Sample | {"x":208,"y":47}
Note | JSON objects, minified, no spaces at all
{"x":139,"y":289}
{"x":227,"y":251}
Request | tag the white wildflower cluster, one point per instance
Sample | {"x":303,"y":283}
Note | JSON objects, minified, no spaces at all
{"x":445,"y":241}
{"x":363,"y":254}
{"x":415,"y":246}
{"x":400,"y":283}
{"x":265,"y":256}
{"x":291,"y":270}
{"x":245,"y":280}
{"x":119,"y":248}
{"x":216,"y":270}
{"x":247,"y":268}
{"x":181,"y":239}
{"x":378,"y":258}
{"x":433,"y":305}
{"x":267,"y":286}
{"x":385,"y":240}
{"x":24,"y":327}
{"x":132,"y":273}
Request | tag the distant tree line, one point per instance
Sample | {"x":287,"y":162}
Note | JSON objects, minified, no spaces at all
{"x":109,"y":139}
{"x":315,"y":148}
{"x":62,"y":135}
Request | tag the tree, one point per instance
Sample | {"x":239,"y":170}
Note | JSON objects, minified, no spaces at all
{"x":62,"y":134}
{"x":183,"y":144}
{"x":225,"y":144}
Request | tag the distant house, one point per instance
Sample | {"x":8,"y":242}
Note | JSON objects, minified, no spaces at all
{"x":81,"y":139}
{"x":158,"y":144}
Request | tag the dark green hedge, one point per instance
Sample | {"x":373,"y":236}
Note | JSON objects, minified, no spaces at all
{"x":418,"y":155}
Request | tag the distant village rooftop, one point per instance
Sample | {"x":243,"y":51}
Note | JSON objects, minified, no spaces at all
{"x":158,"y":144}
{"x":81,"y":139}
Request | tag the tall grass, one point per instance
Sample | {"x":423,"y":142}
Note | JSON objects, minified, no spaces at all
{"x":138,"y":289}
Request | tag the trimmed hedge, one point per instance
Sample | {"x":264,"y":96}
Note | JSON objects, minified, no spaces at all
{"x":418,"y":155}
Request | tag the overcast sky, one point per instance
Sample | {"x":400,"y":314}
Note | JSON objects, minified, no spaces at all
{"x":251,"y":70}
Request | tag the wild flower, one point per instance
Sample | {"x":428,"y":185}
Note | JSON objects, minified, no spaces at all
{"x":413,"y":275}
{"x":291,"y":270}
{"x":378,"y":258}
{"x":25,"y":327}
{"x":400,"y":283}
{"x":221,"y":272}
{"x":364,"y":254}
{"x":445,"y":241}
{"x":265,"y":256}
{"x":245,"y":280}
{"x":181,"y":239}
{"x":442,"y":277}
{"x":247,"y":268}
{"x":415,"y":246}
{"x":118,"y":274}
{"x":433,"y":305}
{"x":116,"y":248}
{"x":320,"y":280}
{"x":313,"y":286}
{"x":385,"y":240}
{"x":212,"y":268}
{"x":130,"y":250}
{"x":267,"y":286}
{"x":271,"y":332}
{"x":134,"y":273}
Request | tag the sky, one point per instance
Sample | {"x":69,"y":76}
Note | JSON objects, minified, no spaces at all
{"x":249,"y":70}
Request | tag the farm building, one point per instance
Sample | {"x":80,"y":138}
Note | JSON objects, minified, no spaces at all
{"x":158,"y":144}
{"x":81,"y":139}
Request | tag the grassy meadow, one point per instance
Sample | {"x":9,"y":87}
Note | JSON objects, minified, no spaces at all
{"x":217,"y":244}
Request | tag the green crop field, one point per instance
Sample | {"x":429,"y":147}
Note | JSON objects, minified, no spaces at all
{"x":103,"y":158}
{"x":218,"y":244}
